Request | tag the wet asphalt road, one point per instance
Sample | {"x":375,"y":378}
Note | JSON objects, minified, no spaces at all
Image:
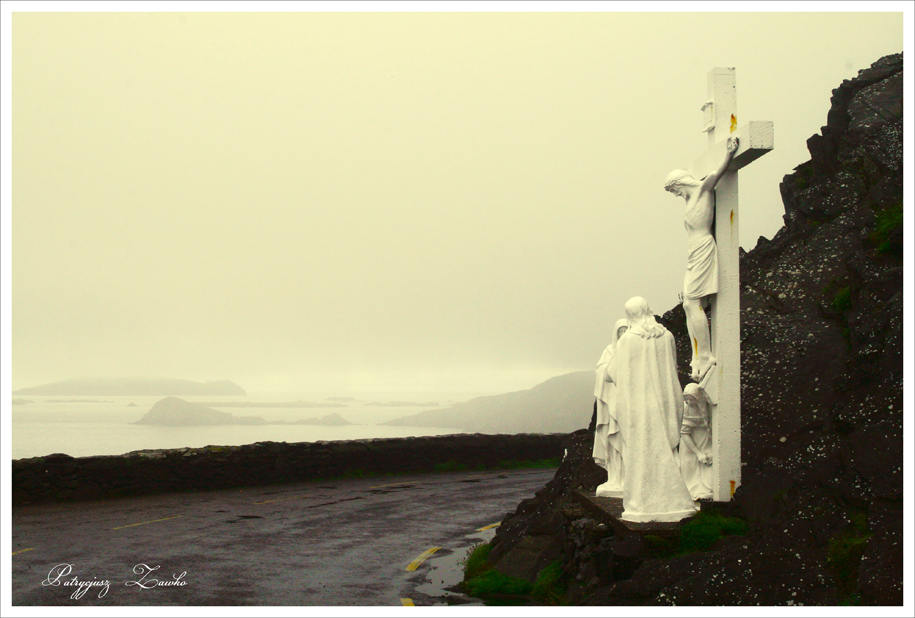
{"x":323,"y":543}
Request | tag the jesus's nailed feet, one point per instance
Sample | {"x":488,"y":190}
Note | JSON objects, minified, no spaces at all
{"x":704,"y":369}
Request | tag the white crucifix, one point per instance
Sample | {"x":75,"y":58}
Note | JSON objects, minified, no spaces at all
{"x":721,"y":380}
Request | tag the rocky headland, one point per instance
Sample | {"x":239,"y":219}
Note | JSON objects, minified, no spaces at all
{"x":818,"y":517}
{"x":552,"y":406}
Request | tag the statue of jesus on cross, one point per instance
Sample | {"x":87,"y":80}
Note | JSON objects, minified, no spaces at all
{"x":714,"y":266}
{"x":701,"y":278}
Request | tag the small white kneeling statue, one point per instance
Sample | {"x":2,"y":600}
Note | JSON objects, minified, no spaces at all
{"x":607,"y":446}
{"x":649,"y":409}
{"x":695,"y":443}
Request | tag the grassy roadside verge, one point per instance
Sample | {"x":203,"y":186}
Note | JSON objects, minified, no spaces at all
{"x":481,"y":580}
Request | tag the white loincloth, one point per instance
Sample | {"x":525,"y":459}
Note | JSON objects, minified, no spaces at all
{"x":701,"y":269}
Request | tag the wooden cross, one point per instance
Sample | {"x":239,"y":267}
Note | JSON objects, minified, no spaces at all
{"x":722,"y":383}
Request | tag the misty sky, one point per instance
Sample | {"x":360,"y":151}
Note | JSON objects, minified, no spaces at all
{"x":366,"y":201}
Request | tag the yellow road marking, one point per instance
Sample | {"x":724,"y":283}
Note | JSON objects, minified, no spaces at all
{"x":407,"y":602}
{"x":24,"y":550}
{"x":490,"y":526}
{"x":284,"y":499}
{"x":421,"y":558}
{"x":143,"y":523}
{"x":389,"y":485}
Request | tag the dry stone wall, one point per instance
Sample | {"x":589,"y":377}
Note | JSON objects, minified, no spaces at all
{"x":60,"y":477}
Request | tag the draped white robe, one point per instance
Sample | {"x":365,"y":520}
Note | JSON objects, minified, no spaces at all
{"x":607,"y":447}
{"x":649,"y":409}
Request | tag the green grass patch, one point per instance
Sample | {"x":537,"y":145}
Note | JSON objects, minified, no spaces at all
{"x":887,"y":234}
{"x":706,"y":528}
{"x":839,"y":298}
{"x":450,"y":466}
{"x":699,"y":533}
{"x":476,"y":562}
{"x":844,"y":555}
{"x":495,"y":588}
{"x":493,"y":583}
{"x":511,"y":464}
{"x":841,"y":302}
{"x":549,"y":586}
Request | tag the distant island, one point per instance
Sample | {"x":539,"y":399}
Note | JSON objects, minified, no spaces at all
{"x":134,"y":387}
{"x":347,"y":399}
{"x":79,"y":401}
{"x":329,"y":420}
{"x":173,"y":411}
{"x":21,"y":402}
{"x":404,"y":404}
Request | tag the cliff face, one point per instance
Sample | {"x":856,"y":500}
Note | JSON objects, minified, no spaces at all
{"x":823,"y":349}
{"x":822,"y":359}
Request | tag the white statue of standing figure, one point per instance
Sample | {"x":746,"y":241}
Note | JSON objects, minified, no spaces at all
{"x":701,"y":278}
{"x":649,"y":410}
{"x":696,"y":443}
{"x":607,"y":448}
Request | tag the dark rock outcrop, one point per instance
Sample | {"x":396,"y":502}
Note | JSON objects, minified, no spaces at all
{"x":822,"y":360}
{"x":532,"y":536}
{"x":178,"y":412}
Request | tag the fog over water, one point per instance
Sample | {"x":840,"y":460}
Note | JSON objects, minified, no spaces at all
{"x":344,"y":202}
{"x":104,"y":425}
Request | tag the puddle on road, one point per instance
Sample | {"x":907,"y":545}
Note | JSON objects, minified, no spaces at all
{"x":446,"y":570}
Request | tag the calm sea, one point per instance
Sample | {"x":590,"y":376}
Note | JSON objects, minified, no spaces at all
{"x":101,"y":425}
